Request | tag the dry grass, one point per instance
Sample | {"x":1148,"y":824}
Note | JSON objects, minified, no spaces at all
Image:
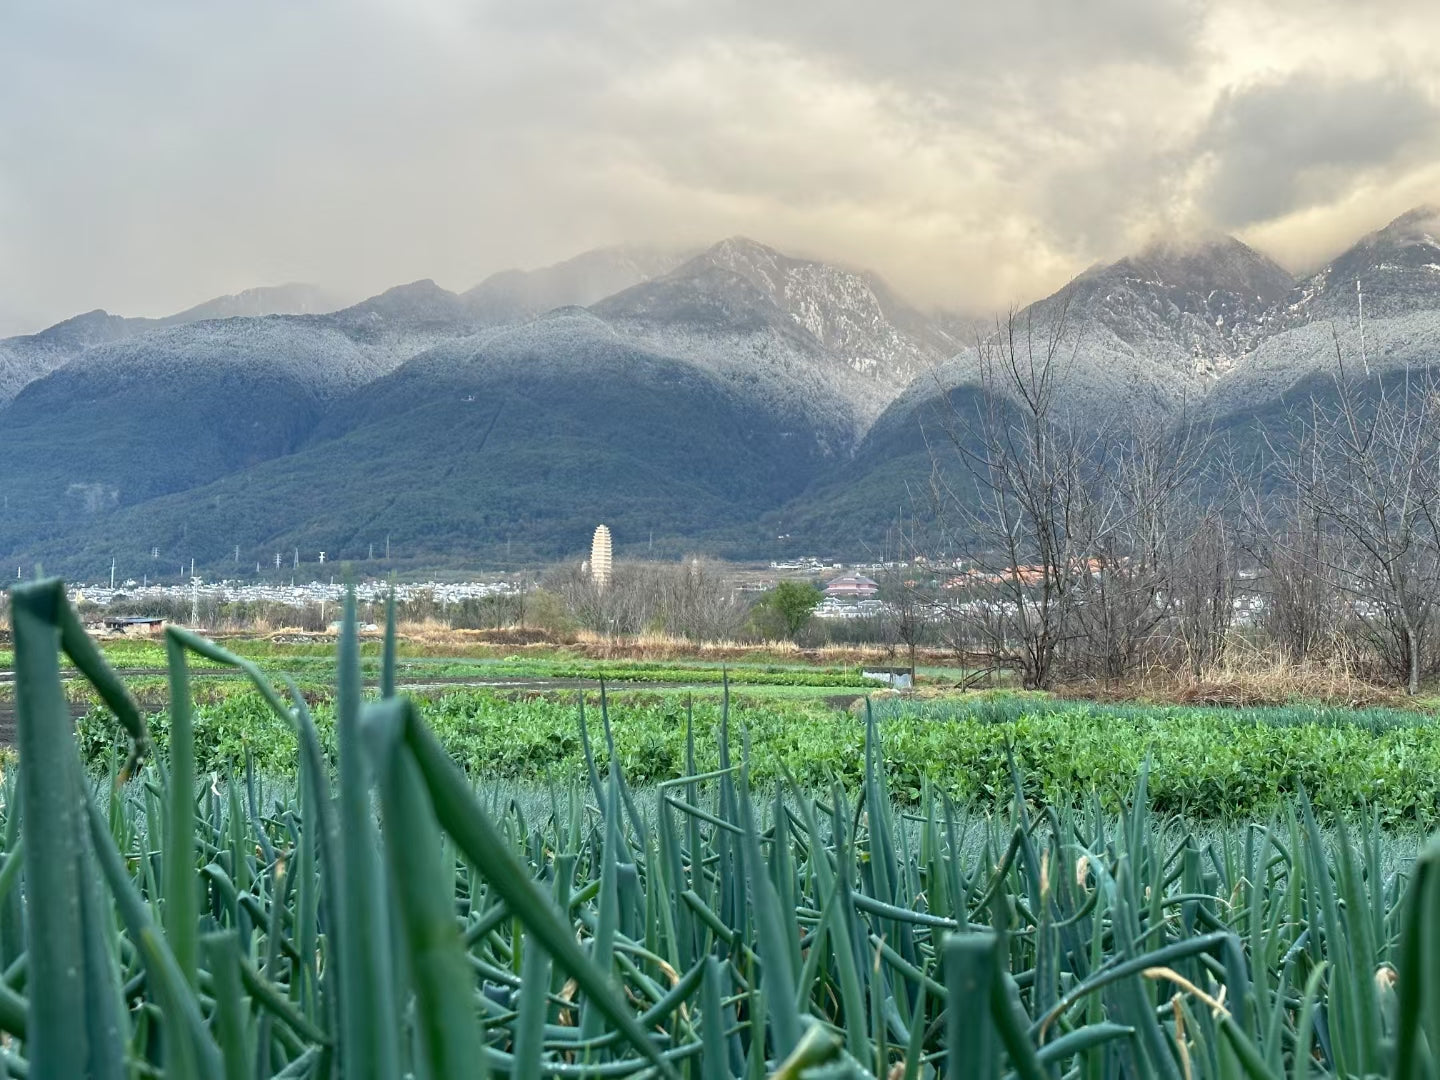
{"x":666,"y":647}
{"x":1248,"y":677}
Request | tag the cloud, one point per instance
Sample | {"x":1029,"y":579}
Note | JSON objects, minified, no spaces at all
{"x":1287,"y":145}
{"x":976,"y":154}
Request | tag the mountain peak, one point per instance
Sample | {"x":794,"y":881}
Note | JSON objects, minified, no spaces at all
{"x":851,"y":316}
{"x":291,"y":298}
{"x":1396,"y":269}
{"x":420,"y":287}
{"x":742,"y":247}
{"x":1418,"y":226}
{"x":1207,"y":262}
{"x":584,"y":279}
{"x":417,"y":301}
{"x":88,"y":328}
{"x":1160,"y":324}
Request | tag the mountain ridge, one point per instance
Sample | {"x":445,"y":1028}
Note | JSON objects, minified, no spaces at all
{"x":830,"y":391}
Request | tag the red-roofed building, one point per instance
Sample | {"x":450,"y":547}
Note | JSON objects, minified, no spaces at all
{"x":852,"y":587}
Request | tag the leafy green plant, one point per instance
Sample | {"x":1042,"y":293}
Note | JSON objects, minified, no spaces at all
{"x":1206,"y":763}
{"x":706,"y":928}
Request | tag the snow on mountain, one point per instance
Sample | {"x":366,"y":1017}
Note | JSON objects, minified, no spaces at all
{"x":560,"y":339}
{"x":751,"y":313}
{"x":569,"y":389}
{"x":326,"y":354}
{"x":1397,"y":269}
{"x":32,"y":356}
{"x":318,"y":356}
{"x":740,"y":308}
{"x":1147,"y":335}
{"x":716,"y":318}
{"x":516,"y":295}
{"x":1173,"y":317}
{"x":294,"y":298}
{"x":853,"y":315}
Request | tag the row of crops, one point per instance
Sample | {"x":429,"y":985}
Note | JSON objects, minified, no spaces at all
{"x":317,"y":659}
{"x":1206,"y":763}
{"x":381,"y":916}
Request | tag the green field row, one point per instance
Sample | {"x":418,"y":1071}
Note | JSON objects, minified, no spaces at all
{"x":1208,"y":763}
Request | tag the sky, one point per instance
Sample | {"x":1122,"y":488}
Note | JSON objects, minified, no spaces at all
{"x":975,"y":154}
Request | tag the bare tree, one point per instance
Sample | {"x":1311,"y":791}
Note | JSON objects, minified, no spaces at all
{"x":1068,"y":528}
{"x":697,"y":601}
{"x":1024,"y":471}
{"x":908,"y":610}
{"x":1366,"y":467}
{"x":1285,"y":538}
{"x":690,"y":599}
{"x":1202,"y":585}
{"x":1135,"y":513}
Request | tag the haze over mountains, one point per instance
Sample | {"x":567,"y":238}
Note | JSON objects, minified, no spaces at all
{"x":713,"y":400}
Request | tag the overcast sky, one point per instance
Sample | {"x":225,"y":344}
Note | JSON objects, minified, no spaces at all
{"x":975,"y":153}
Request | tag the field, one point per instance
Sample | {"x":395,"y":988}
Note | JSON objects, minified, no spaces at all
{"x":690,"y":881}
{"x":515,"y":717}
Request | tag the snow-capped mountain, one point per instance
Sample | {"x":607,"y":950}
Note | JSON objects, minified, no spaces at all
{"x":719,"y":320}
{"x":746,"y":310}
{"x":1396,"y":269}
{"x":293,"y":298}
{"x":1156,"y":329}
{"x":1199,"y":304}
{"x":853,"y":315}
{"x":29,"y":357}
{"x":516,"y":295}
{"x":712,"y":396}
{"x":1145,"y":336}
{"x":1375,"y":307}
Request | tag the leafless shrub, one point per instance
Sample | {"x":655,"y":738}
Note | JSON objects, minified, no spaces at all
{"x":691,"y":599}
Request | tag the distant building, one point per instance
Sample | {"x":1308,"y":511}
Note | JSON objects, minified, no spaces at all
{"x":852,"y":587}
{"x":600,"y":556}
{"x":895,"y":678}
{"x":135,"y":624}
{"x":1026,"y":576}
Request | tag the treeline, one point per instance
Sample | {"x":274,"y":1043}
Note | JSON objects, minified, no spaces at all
{"x":217,"y":615}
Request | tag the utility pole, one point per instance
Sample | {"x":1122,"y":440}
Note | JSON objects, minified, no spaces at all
{"x":112,"y":573}
{"x":1360,"y":304}
{"x":322,"y":558}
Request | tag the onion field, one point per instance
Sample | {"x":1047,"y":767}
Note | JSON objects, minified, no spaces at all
{"x":377,"y":910}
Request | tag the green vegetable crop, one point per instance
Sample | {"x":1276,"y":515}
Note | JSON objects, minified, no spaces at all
{"x":390,"y":915}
